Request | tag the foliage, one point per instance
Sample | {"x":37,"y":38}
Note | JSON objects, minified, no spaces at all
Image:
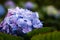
{"x":9,"y":37}
{"x":47,"y":36}
{"x":37,"y":31}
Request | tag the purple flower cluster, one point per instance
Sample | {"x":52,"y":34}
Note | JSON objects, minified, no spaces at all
{"x":21,"y":19}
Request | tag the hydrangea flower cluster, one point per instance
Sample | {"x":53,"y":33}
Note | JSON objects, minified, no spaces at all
{"x":21,"y":19}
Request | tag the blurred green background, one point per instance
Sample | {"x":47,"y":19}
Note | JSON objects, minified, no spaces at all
{"x":49,"y":10}
{"x":49,"y":14}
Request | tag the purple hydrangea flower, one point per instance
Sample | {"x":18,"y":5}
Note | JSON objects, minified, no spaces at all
{"x":29,"y":5}
{"x":21,"y":18}
{"x":10,"y":4}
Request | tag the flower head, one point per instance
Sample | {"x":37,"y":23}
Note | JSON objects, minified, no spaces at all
{"x":22,"y":18}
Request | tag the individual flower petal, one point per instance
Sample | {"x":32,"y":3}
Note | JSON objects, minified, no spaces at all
{"x":24,"y":22}
{"x":26,"y":29}
{"x":37,"y":23}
